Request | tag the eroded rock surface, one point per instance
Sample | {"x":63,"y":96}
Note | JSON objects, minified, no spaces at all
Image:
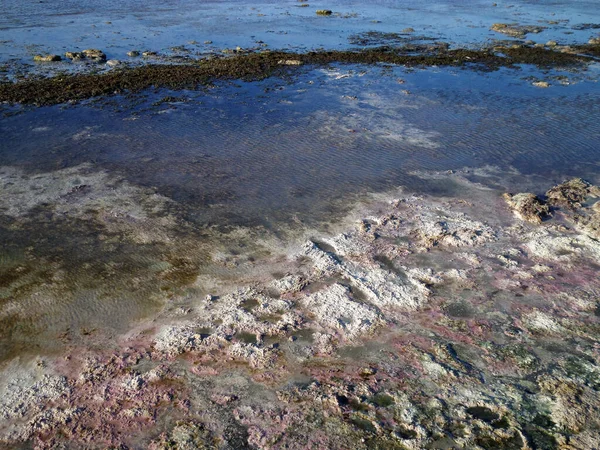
{"x":430,"y":323}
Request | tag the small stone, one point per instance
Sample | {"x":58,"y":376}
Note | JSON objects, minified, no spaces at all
{"x":75,"y":56}
{"x":551,"y":44}
{"x":208,"y":42}
{"x":367,"y":372}
{"x":94,"y":54}
{"x":541,"y":84}
{"x":324,"y":12}
{"x":133,"y":53}
{"x":594,"y":41}
{"x":47,"y":58}
{"x":408,"y":30}
{"x":148,"y":54}
{"x":223,"y":399}
{"x":113,"y":62}
{"x":290,"y":62}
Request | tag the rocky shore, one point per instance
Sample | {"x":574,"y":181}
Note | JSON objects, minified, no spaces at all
{"x":430,"y":322}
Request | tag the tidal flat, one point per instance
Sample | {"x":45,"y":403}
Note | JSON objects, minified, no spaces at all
{"x":299,"y":225}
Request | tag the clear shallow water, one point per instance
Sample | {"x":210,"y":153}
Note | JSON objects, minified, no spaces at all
{"x":260,"y":153}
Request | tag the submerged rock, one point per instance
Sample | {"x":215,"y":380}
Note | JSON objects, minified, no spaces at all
{"x":528,"y":207}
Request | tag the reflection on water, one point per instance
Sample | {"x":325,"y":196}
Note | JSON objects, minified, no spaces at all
{"x":109,"y":212}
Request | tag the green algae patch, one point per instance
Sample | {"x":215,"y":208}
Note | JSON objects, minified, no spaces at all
{"x":257,"y":66}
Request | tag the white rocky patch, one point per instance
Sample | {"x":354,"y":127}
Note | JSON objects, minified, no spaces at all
{"x":24,"y":394}
{"x":548,"y":246}
{"x":334,"y":308}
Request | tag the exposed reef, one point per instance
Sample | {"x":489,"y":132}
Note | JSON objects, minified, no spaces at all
{"x":260,"y":65}
{"x":431,"y":322}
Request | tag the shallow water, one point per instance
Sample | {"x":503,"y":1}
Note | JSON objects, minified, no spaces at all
{"x":270,"y":156}
{"x":274,"y":155}
{"x":258,"y":153}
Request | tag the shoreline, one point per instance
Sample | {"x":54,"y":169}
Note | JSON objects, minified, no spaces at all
{"x":465,"y":321}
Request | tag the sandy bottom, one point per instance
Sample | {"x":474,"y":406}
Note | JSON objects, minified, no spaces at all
{"x":468,"y":321}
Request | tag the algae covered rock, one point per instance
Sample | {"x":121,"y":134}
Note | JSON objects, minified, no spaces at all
{"x":324,"y":12}
{"x":572,"y":193}
{"x":528,"y":207}
{"x":94,"y":54}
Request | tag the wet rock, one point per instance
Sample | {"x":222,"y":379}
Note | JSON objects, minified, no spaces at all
{"x":514,"y":30}
{"x":47,"y":58}
{"x":149,"y":54}
{"x":324,"y":12}
{"x":113,"y":62}
{"x":94,"y":54}
{"x":133,"y":53}
{"x":74,"y":56}
{"x":572,"y":193}
{"x":528,"y":207}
